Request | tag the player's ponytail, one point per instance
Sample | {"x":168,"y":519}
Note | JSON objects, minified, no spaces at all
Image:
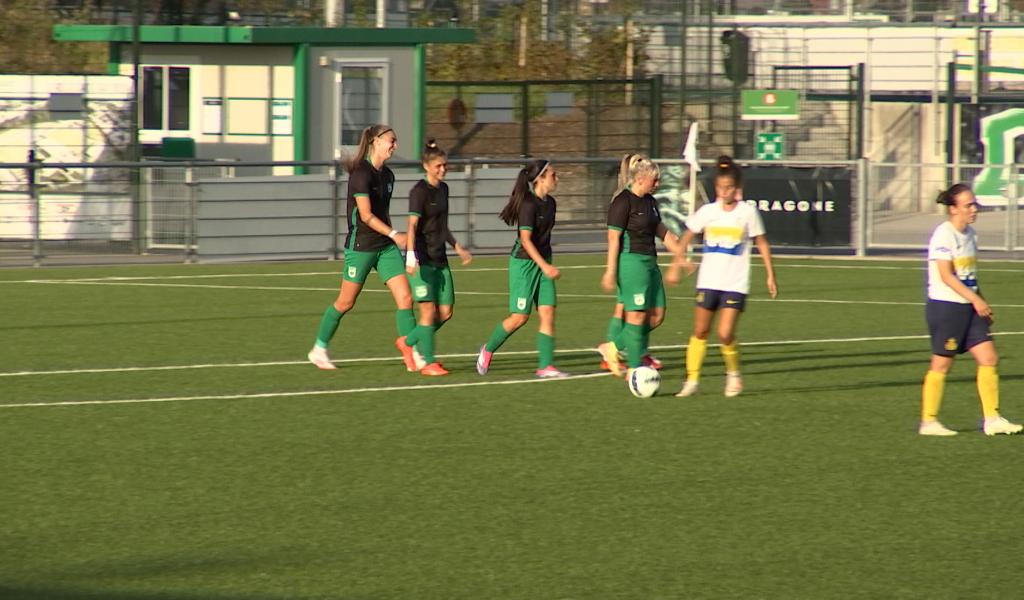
{"x":523,"y":188}
{"x":431,"y":151}
{"x":948,"y":197}
{"x":365,"y":141}
{"x":726,"y":167}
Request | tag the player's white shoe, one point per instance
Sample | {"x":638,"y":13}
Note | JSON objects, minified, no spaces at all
{"x":551,"y":372}
{"x":483,"y":360}
{"x":934,"y":428}
{"x":418,"y":359}
{"x":610,"y":354}
{"x":318,"y":356}
{"x":998,"y":425}
{"x":689,"y":388}
{"x":733,"y":385}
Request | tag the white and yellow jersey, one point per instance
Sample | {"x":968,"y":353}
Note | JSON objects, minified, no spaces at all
{"x":725,"y":264}
{"x":962,"y":249}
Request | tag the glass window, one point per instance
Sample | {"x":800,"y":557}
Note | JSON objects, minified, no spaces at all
{"x":177,"y":98}
{"x":153,"y":98}
{"x":165,"y":98}
{"x":361,"y":101}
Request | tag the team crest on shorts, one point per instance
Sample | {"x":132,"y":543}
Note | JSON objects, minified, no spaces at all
{"x":521,"y":303}
{"x":421,"y":291}
{"x":638,"y":298}
{"x":951,"y":344}
{"x":700,"y":296}
{"x":352,"y":272}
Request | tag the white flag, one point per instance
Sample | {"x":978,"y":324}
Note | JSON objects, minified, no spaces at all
{"x":690,"y":149}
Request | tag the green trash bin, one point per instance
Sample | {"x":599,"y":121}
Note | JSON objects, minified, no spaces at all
{"x":177,"y":147}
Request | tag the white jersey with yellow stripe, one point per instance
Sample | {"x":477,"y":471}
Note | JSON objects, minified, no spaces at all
{"x":960,"y":248}
{"x":725,"y":264}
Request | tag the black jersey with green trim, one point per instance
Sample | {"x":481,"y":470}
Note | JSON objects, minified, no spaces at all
{"x":638,"y":219}
{"x":377,"y":184}
{"x":539,"y":217}
{"x":430,"y":204}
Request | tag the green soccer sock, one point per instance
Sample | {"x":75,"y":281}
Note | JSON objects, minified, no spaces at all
{"x":405,"y":321}
{"x":498,"y":337}
{"x":636,"y":344}
{"x":614,"y":329}
{"x":545,"y":350}
{"x":328,"y":326}
{"x":424,"y":335}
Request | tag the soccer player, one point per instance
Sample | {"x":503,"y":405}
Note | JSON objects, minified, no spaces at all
{"x":426,"y":262}
{"x":958,"y":316}
{"x":372,"y":243}
{"x":531,"y":276}
{"x":632,"y":262}
{"x":728,"y":225}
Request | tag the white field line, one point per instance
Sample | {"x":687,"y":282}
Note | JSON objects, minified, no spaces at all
{"x":396,"y":359}
{"x":412,"y":387}
{"x":402,"y":388}
{"x":456,"y":269}
{"x":460,"y":292}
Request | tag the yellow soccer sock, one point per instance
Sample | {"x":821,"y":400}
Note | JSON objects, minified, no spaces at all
{"x":695,"y":352}
{"x":931,"y":395}
{"x":731,"y":356}
{"x":988,"y":391}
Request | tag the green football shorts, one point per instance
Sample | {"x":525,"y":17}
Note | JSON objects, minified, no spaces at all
{"x":433,"y":283}
{"x":527,"y":286}
{"x":640,"y":285}
{"x":387,"y":261}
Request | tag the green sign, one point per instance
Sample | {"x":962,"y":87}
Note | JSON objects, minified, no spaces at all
{"x":766,"y":105}
{"x":769,"y":146}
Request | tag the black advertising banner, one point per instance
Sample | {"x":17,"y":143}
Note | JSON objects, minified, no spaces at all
{"x":799,"y":206}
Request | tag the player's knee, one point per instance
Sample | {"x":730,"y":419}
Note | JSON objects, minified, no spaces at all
{"x":343,"y":305}
{"x":516,"y":321}
{"x":444,"y":314}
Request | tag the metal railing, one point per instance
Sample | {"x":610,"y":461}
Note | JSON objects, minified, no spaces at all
{"x":195,"y":211}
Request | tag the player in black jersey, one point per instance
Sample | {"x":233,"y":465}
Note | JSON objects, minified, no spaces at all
{"x":531,"y":276}
{"x":634,"y":224}
{"x":372,"y":243}
{"x":426,"y":261}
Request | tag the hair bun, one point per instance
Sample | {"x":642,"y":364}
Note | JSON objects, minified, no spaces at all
{"x":431,"y":143}
{"x":724,"y":162}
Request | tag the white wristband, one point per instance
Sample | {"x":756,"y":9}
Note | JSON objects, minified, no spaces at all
{"x":410,"y":259}
{"x":392,"y":233}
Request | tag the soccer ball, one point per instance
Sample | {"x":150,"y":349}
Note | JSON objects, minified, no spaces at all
{"x":643,"y":382}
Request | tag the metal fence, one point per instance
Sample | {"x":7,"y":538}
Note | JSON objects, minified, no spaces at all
{"x":901,"y":210}
{"x":185,"y":212}
{"x":529,"y":118}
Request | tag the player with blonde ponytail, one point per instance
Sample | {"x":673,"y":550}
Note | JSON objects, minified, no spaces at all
{"x":631,"y":269}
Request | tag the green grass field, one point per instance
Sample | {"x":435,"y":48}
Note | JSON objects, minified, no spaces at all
{"x":164,"y":438}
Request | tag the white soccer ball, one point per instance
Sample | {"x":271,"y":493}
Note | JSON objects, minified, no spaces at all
{"x":643,"y":382}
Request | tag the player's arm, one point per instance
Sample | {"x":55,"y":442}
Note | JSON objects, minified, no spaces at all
{"x":618,"y":221}
{"x":948,"y":276}
{"x":410,"y":243}
{"x":671,"y":240}
{"x":680,"y":261}
{"x":611,"y":265}
{"x":463,"y":253}
{"x":370,"y":220}
{"x":766,"y":255}
{"x":526,"y":240}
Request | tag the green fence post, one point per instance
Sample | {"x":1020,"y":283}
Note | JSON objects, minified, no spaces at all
{"x":656,"y":87}
{"x":524,"y":124}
